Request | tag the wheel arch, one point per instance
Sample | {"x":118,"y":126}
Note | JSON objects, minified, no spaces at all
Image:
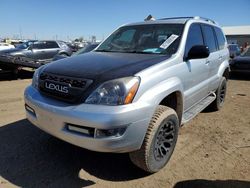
{"x":63,"y":53}
{"x":174,"y":100}
{"x":224,"y":70}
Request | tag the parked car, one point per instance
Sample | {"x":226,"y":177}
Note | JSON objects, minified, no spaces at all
{"x":234,"y":50}
{"x":34,"y":54}
{"x":83,"y":50}
{"x":73,"y":46}
{"x":135,"y":90}
{"x":241,"y":63}
{"x":8,"y":56}
{"x":5,"y":46}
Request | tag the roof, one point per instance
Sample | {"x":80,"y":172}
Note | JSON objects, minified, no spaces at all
{"x":174,"y":20}
{"x":237,"y":30}
{"x":171,"y":21}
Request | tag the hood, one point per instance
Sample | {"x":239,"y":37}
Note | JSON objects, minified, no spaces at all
{"x":104,"y":65}
{"x":12,"y":50}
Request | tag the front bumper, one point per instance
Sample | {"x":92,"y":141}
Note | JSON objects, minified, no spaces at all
{"x":6,"y":62}
{"x":52,"y":116}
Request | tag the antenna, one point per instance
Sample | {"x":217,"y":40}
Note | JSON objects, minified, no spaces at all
{"x":149,"y":18}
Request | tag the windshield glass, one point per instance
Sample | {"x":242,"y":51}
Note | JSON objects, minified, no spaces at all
{"x":24,"y":45}
{"x":149,"y":38}
{"x":86,"y":49}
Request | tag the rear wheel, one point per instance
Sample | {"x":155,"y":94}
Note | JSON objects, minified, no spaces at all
{"x":220,"y":96}
{"x":159,"y":141}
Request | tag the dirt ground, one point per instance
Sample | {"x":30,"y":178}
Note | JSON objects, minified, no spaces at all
{"x":213,"y":150}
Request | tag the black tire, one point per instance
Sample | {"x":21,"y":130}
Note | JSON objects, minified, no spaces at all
{"x":15,"y":72}
{"x":157,"y":148}
{"x":217,"y":104}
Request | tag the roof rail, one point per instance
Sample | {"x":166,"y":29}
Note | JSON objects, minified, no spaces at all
{"x":172,"y":18}
{"x":190,"y":17}
{"x":205,"y":19}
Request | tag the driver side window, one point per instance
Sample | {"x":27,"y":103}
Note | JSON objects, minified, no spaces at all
{"x":194,"y":37}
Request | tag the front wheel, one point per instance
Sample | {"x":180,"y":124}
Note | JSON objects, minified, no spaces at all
{"x":159,"y":141}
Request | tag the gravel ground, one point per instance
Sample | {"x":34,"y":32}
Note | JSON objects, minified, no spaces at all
{"x":213,"y":150}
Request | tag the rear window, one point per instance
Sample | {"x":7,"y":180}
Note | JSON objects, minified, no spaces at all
{"x":51,"y":44}
{"x":220,"y":37}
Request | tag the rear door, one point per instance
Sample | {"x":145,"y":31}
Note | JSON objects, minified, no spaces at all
{"x":214,"y":59}
{"x":196,"y":71}
{"x":52,"y":48}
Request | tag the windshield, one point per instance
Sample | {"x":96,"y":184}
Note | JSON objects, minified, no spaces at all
{"x":86,"y":49}
{"x":150,"y":38}
{"x":24,"y":45}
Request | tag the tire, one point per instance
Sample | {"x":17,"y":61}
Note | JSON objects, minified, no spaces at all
{"x":217,"y":104}
{"x":15,"y":72}
{"x":154,"y":152}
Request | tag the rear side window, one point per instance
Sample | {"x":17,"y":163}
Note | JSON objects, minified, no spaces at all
{"x":194,"y":37}
{"x":220,"y":38}
{"x":51,"y":44}
{"x":209,"y":38}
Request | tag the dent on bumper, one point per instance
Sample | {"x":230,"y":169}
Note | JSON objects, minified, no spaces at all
{"x":51,"y":116}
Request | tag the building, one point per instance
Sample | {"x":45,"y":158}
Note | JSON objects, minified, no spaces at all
{"x":237,"y":34}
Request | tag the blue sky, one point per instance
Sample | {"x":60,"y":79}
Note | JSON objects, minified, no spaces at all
{"x":48,"y":19}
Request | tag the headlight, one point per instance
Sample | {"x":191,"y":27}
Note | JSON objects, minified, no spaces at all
{"x":35,"y":79}
{"x":115,"y":92}
{"x":36,"y":76}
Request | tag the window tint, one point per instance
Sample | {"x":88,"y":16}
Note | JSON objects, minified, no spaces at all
{"x":39,"y":45}
{"x":209,"y":38}
{"x":194,"y":37}
{"x":144,"y":39}
{"x":126,"y":36}
{"x":51,"y":44}
{"x":220,"y":37}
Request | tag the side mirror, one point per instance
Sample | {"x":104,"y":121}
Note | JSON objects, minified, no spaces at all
{"x":30,"y":47}
{"x":198,"y":52}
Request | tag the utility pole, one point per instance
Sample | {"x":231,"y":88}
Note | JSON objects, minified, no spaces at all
{"x":20,"y":33}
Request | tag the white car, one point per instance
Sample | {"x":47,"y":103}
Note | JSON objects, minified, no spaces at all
{"x":5,"y":46}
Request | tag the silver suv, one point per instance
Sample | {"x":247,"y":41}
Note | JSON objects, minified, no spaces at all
{"x":135,"y":90}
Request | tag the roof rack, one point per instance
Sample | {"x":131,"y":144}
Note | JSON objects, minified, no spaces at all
{"x":190,"y":17}
{"x":172,"y":18}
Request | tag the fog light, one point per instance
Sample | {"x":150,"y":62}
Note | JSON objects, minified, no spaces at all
{"x":101,"y":133}
{"x":30,"y":110}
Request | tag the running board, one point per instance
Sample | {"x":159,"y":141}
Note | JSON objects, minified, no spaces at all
{"x":194,"y":110}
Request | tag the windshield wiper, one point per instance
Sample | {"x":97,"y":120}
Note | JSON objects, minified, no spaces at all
{"x":132,"y":51}
{"x":103,"y":50}
{"x":140,"y":52}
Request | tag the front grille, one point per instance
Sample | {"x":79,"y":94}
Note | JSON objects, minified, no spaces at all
{"x":68,"y":89}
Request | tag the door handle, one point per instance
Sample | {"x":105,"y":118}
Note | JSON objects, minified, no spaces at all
{"x":220,"y":58}
{"x":207,"y":62}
